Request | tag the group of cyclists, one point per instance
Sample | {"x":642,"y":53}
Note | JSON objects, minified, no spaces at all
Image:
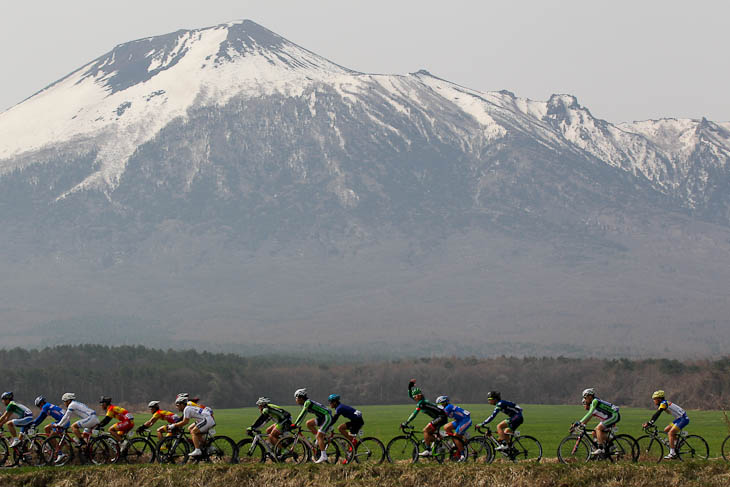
{"x":454,"y":419}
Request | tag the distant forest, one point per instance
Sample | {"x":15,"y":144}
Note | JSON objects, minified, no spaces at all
{"x":134,"y":375}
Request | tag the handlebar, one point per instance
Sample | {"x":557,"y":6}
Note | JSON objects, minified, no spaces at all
{"x":407,"y":428}
{"x":483,"y":429}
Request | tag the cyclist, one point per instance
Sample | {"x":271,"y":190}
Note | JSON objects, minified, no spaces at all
{"x":24,"y":417}
{"x":680,"y":420}
{"x":87,"y":418}
{"x":47,"y":409}
{"x":350,"y":428}
{"x":438,"y":416}
{"x":194,"y":401}
{"x":461,"y":422}
{"x":158,"y":414}
{"x":508,"y":426}
{"x":125,"y":418}
{"x":319,"y":425}
{"x":606,"y":412}
{"x":203,"y":422}
{"x":269,"y":411}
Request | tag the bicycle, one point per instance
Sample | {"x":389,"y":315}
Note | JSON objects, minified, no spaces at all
{"x":138,"y":449}
{"x":406,"y":448}
{"x":215,"y":449}
{"x":332,"y":448}
{"x":652,"y":444}
{"x":59,"y":450}
{"x":365,"y":449}
{"x":27,"y":452}
{"x":578,"y":448}
{"x":256,"y":449}
{"x":519,"y":447}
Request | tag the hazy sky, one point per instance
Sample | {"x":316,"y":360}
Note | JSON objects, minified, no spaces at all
{"x":624,"y":60}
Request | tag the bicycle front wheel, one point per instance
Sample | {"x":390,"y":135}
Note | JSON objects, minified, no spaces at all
{"x":4,"y":451}
{"x":30,"y":453}
{"x":573,"y":449}
{"x":526,"y":449}
{"x":402,"y":449}
{"x":290,"y":450}
{"x":692,"y":447}
{"x":369,"y":451}
{"x":726,"y":449}
{"x":103,"y":450}
{"x":139,"y":450}
{"x":250,"y":453}
{"x":650,"y":449}
{"x":221,"y":449}
{"x":173,"y":450}
{"x":57,"y":451}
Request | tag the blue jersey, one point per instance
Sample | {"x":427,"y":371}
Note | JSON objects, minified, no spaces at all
{"x":48,"y":409}
{"x":457,"y":413}
{"x":348,"y":412}
{"x":509,"y":408}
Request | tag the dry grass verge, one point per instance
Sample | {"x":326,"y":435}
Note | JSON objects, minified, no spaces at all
{"x":669,"y":475}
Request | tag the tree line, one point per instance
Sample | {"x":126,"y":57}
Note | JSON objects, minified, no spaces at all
{"x":134,"y":375}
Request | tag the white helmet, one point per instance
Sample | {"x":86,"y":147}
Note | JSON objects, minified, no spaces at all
{"x":154,"y":404}
{"x":442,"y":399}
{"x":181,"y":400}
{"x":589,"y":392}
{"x":69,"y":396}
{"x":263,"y":401}
{"x":300,"y":393}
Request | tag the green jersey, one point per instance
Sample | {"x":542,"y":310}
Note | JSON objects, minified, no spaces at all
{"x":18,"y":409}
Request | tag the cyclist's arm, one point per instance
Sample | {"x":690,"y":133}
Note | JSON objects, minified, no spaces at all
{"x":40,"y":418}
{"x":151,"y":421}
{"x":5,"y":417}
{"x":302,"y":413}
{"x":104,"y":422}
{"x":65,"y":419}
{"x":261,"y":420}
{"x":492,"y":416}
{"x":413,"y":415}
{"x":590,"y":412}
{"x":658,"y":413}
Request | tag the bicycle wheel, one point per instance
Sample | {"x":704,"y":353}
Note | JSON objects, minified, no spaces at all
{"x":173,"y":450}
{"x":29,"y":453}
{"x":138,"y":450}
{"x":574,"y":449}
{"x":4,"y":451}
{"x":622,"y":449}
{"x":726,"y":449}
{"x":103,"y":450}
{"x":402,"y":449}
{"x":692,"y":447}
{"x":650,"y":449}
{"x":57,"y":451}
{"x":250,"y":453}
{"x":526,"y":449}
{"x":480,"y":450}
{"x":369,"y":451}
{"x":221,"y":449}
{"x":291,"y":450}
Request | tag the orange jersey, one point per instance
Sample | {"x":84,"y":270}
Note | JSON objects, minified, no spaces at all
{"x":168,"y":416}
{"x":118,"y":412}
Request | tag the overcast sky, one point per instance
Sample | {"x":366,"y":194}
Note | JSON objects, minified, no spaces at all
{"x":624,"y":60}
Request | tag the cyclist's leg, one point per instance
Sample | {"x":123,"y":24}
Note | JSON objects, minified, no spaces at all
{"x":604,"y":427}
{"x":502,"y":429}
{"x":312,"y":425}
{"x":323,"y":428}
{"x":429,"y":434}
{"x":512,"y":425}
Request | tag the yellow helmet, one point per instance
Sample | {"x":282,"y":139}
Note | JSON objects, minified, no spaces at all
{"x":658,"y":395}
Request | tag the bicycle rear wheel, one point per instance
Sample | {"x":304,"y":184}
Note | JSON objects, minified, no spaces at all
{"x":221,"y":449}
{"x":526,"y":449}
{"x":622,"y":449}
{"x":693,"y":447}
{"x":290,"y":450}
{"x":4,"y":451}
{"x":480,"y":450}
{"x":650,"y":449}
{"x":173,"y":450}
{"x":139,"y":450}
{"x":250,"y":453}
{"x":331,"y":448}
{"x":30,"y":453}
{"x":369,"y":451}
{"x":103,"y":450}
{"x":573,"y":449}
{"x":726,"y":449}
{"x":402,"y":449}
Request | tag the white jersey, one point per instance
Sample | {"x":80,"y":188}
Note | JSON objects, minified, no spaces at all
{"x":672,"y":409}
{"x":77,"y":409}
{"x":196,"y":413}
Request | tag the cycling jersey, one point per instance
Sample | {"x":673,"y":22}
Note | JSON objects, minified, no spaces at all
{"x":430,"y":409}
{"x":509,"y":408}
{"x":18,"y":409}
{"x":203,"y":420}
{"x":200,"y":406}
{"x":462,"y":418}
{"x":168,"y":416}
{"x":272,"y":412}
{"x":86,"y":415}
{"x":603,"y":410}
{"x":670,"y":408}
{"x":322,"y":415}
{"x":48,"y":409}
{"x":348,"y":412}
{"x":119,"y":413}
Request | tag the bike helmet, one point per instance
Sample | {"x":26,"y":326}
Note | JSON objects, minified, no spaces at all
{"x":442,"y":400}
{"x":300,"y":393}
{"x":39,"y":400}
{"x":589,"y":392}
{"x":69,"y":396}
{"x":658,"y":394}
{"x":154,"y":404}
{"x":414,"y":391}
{"x":494,"y":395}
{"x":7,"y":395}
{"x":105,"y":400}
{"x":263,"y":401}
{"x":181,"y":400}
{"x":333,"y":397}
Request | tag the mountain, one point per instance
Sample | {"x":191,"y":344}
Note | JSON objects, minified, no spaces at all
{"x":226,"y":188}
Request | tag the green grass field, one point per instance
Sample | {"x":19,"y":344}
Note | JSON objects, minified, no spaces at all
{"x":549,"y":424}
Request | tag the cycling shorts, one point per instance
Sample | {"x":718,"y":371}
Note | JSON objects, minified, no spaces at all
{"x":611,"y":421}
{"x":205,"y":424}
{"x":23,"y":422}
{"x":460,"y":427}
{"x":123,"y":426}
{"x":284,"y":425}
{"x":88,"y":422}
{"x":324,"y":423}
{"x":515,"y":421}
{"x":439,"y":422}
{"x":681,"y":421}
{"x":354,"y":425}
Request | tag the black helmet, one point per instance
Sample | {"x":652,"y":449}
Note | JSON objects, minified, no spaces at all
{"x":494,"y":395}
{"x":7,"y":395}
{"x":105,"y":400}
